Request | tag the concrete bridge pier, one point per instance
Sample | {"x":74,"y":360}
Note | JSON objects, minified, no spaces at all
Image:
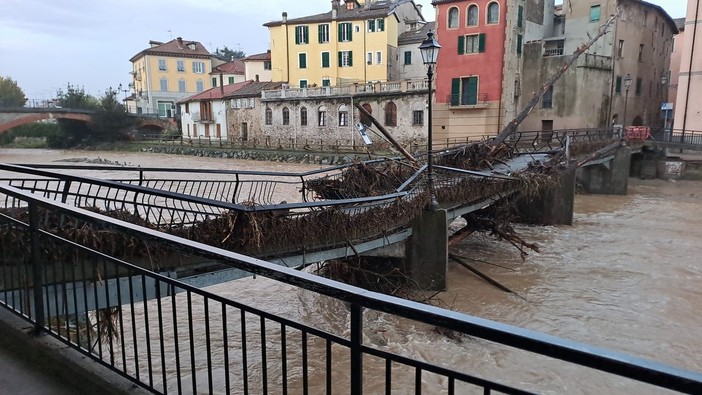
{"x":553,"y":205}
{"x":609,"y":176}
{"x":426,"y":251}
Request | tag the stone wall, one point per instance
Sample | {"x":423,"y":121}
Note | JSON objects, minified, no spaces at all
{"x":272,"y":156}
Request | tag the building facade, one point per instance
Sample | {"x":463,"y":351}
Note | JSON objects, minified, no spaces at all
{"x":410,"y":64}
{"x":204,"y":115}
{"x":228,"y":73}
{"x":688,"y":111}
{"x":258,"y":67}
{"x":674,"y":74}
{"x":167,"y":72}
{"x":245,"y":113}
{"x":354,"y":42}
{"x":594,"y":92}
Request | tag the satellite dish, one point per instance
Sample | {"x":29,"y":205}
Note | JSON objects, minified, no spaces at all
{"x":362,"y":130}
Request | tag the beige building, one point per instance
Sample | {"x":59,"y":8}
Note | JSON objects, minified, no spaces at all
{"x":688,"y":110}
{"x":258,"y":67}
{"x":228,"y":73}
{"x":594,"y":93}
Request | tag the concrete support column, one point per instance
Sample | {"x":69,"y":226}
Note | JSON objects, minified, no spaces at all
{"x":610,"y":178}
{"x":553,"y":206}
{"x":426,"y":251}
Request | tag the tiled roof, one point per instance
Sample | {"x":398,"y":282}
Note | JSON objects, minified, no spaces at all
{"x":416,"y":36}
{"x":259,"y":56}
{"x":216,"y":93}
{"x":375,"y":10}
{"x":254,"y":89}
{"x":236,"y":66}
{"x":176,"y":47}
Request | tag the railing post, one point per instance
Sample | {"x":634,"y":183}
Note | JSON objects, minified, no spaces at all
{"x":356,"y":352}
{"x":36,"y":269}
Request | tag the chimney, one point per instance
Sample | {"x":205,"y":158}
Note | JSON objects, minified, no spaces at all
{"x":334,"y":13}
{"x":180,"y":42}
{"x":335,"y":5}
{"x":285,"y":17}
{"x":419,"y":7}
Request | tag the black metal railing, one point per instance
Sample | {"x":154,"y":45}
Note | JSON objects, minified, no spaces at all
{"x":545,"y":140}
{"x":257,"y":337}
{"x":679,"y":136}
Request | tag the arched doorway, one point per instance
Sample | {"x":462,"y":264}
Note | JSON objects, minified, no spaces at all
{"x":365,"y":119}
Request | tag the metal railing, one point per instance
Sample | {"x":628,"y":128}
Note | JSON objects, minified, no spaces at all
{"x":679,"y":136}
{"x":167,"y":336}
{"x":546,"y":140}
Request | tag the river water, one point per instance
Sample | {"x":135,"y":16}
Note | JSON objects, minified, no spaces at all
{"x":624,"y":277}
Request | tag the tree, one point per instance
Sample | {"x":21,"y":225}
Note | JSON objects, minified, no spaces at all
{"x":11,"y":95}
{"x":228,"y":54}
{"x":76,"y":98}
{"x":111,"y":122}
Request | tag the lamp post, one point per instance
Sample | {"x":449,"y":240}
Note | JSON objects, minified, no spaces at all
{"x":430,"y":53}
{"x":627,"y":84}
{"x":125,"y":96}
{"x":664,"y":82}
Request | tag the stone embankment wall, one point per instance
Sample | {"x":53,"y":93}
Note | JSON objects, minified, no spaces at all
{"x":330,"y":158}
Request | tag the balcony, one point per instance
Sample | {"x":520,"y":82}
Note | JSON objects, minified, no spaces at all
{"x":458,"y":102}
{"x":346,"y":90}
{"x":197,"y":117}
{"x":553,"y":52}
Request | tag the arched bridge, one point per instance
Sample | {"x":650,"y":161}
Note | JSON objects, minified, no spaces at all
{"x":13,"y":117}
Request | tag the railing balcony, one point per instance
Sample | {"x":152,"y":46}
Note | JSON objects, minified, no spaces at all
{"x":553,"y":52}
{"x":345,"y":90}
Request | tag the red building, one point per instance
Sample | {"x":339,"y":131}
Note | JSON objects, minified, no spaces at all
{"x":479,"y":66}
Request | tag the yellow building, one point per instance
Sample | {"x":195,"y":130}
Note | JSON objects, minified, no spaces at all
{"x":355,"y":42}
{"x":168,"y":72}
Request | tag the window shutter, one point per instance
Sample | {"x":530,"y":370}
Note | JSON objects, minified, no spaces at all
{"x":306,"y":38}
{"x":325,"y":59}
{"x":461,"y":45}
{"x":371,"y":25}
{"x":455,"y":91}
{"x":297,"y":35}
{"x":340,"y":59}
{"x":341,"y":31}
{"x":481,"y":42}
{"x":350,"y":30}
{"x":350,"y":58}
{"x":520,"y":16}
{"x":519,"y":44}
{"x":381,"y":25}
{"x":472,"y":90}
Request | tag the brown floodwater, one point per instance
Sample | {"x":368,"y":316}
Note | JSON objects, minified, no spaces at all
{"x":624,"y":277}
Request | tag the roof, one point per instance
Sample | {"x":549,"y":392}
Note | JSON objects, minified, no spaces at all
{"x":176,"y":47}
{"x":378,"y":9}
{"x":254,"y":89}
{"x":259,"y":56}
{"x":236,"y":66}
{"x":671,"y":21}
{"x":416,"y":36}
{"x":216,"y":93}
{"x":680,"y":23}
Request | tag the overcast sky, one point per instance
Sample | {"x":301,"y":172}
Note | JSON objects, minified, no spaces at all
{"x":45,"y":44}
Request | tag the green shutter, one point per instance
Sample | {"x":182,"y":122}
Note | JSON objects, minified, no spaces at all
{"x":472,"y":90}
{"x":340,"y":59}
{"x":349,"y":28}
{"x":371,"y":25}
{"x":381,"y":25}
{"x":455,"y":91}
{"x":519,"y":44}
{"x":341,"y":32}
{"x":350,"y":58}
{"x":303,"y":61}
{"x":461,"y":45}
{"x":320,"y":36}
{"x":481,"y":42}
{"x":325,"y":59}
{"x":520,"y":16}
{"x":306,"y":29}
{"x":297,"y":35}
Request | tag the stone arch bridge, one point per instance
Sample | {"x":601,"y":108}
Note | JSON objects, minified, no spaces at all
{"x":13,"y":117}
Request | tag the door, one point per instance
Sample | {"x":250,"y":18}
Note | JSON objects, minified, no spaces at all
{"x":244,"y":131}
{"x":546,"y":130}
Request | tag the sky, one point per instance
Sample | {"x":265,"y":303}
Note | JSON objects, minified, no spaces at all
{"x":46,"y":44}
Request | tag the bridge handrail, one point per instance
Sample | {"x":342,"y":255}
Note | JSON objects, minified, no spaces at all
{"x":635,"y":368}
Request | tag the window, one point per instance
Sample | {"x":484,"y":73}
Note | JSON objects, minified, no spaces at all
{"x":345,"y":59}
{"x":181,"y":86}
{"x":214,"y":82}
{"x":302,"y":60}
{"x":371,"y":25}
{"x":345,"y":33}
{"x":473,"y":15}
{"x":322,"y":116}
{"x":198,"y":67}
{"x":380,"y":25}
{"x":267,"y":65}
{"x":379,"y":57}
{"x":618,"y":85}
{"x":595,"y":13}
{"x":520,"y":16}
{"x":303,"y":83}
{"x":369,"y":58}
{"x":365,"y":119}
{"x":620,"y":49}
{"x":641,"y":49}
{"x":408,"y":57}
{"x":230,"y":80}
{"x":452,"y":18}
{"x":163,"y":85}
{"x":325,"y":59}
{"x":343,"y":115}
{"x":519,"y":44}
{"x":493,"y":13}
{"x":162,"y":64}
{"x":302,"y":35}
{"x":286,"y":116}
{"x":464,"y":91}
{"x":547,"y":99}
{"x":473,"y":43}
{"x":180,"y":65}
{"x":269,"y":116}
{"x":391,"y":114}
{"x":165,"y":109}
{"x":375,"y":25}
{"x":303,"y":116}
{"x":417,"y":117}
{"x":326,"y":82}
{"x":199,"y":86}
{"x":638,"y":87}
{"x":323,"y":33}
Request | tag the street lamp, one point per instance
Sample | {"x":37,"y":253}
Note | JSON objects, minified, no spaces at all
{"x":125,"y":96}
{"x":627,"y":84}
{"x":430,"y":53}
